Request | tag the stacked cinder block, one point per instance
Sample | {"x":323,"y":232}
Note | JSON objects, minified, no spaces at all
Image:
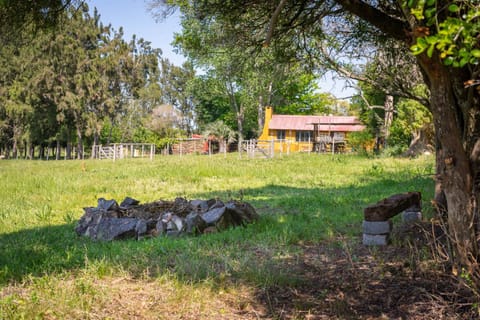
{"x":377,"y":224}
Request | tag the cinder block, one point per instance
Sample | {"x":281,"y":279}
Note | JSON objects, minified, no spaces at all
{"x":410,"y":216}
{"x":377,"y":227}
{"x":375,"y":239}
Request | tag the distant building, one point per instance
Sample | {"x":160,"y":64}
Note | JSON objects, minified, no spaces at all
{"x":309,"y":133}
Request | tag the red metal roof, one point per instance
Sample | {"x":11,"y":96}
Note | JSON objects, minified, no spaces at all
{"x":326,"y":123}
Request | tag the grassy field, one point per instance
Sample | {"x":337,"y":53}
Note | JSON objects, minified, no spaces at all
{"x":46,"y":271}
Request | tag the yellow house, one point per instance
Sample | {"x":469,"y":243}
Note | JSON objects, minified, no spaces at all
{"x":308,"y":133}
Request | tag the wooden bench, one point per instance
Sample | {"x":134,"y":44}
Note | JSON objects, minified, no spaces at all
{"x":377,"y":224}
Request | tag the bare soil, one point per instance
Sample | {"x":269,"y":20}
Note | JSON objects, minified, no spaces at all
{"x":352,"y":281}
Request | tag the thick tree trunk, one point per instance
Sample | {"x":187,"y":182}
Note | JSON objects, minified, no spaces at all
{"x":455,"y":120}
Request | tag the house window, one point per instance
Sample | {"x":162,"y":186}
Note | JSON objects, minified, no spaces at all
{"x":280,"y":134}
{"x":339,"y":136}
{"x":303,"y":136}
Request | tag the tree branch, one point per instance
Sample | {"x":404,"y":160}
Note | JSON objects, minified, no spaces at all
{"x":399,"y":92}
{"x":273,"y":22}
{"x":387,"y":24}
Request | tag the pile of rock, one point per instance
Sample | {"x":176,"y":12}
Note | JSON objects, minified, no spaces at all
{"x":111,"y":221}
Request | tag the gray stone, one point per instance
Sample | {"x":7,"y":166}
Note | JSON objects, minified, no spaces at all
{"x":141,"y":228}
{"x":107,"y":204}
{"x":199,"y":206}
{"x":161,"y":228}
{"x":179,"y":224}
{"x":375,"y":239}
{"x":171,"y":226}
{"x":129,"y":202}
{"x":212,"y":216}
{"x":411,"y":216}
{"x":195,"y":223}
{"x":377,"y":227}
{"x":167,"y":217}
{"x":92,"y":216}
{"x":215,"y":203}
{"x":114,"y":229}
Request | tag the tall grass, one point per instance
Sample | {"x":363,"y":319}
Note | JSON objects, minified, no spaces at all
{"x":301,"y":199}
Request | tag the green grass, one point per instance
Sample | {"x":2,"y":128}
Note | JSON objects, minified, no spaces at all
{"x":301,"y":199}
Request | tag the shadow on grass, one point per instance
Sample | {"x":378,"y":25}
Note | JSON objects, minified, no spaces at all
{"x":260,"y":254}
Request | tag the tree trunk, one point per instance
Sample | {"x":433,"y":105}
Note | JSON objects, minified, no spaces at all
{"x":96,"y":139}
{"x":79,"y":144}
{"x":15,"y":148}
{"x":68,"y":151}
{"x":58,"y":150}
{"x":16,"y":134}
{"x":239,"y":113}
{"x":388,"y":119}
{"x":457,"y":125}
{"x":260,"y":114}
{"x":32,"y":151}
{"x":41,"y":152}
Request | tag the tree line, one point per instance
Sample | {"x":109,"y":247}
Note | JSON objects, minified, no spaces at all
{"x":79,"y":83}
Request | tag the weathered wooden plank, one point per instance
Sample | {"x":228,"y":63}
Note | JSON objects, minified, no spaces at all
{"x":391,"y":206}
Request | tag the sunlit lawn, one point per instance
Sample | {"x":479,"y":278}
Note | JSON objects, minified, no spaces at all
{"x":47,"y":271}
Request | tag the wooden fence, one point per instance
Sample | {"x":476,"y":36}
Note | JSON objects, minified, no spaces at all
{"x":124,"y":150}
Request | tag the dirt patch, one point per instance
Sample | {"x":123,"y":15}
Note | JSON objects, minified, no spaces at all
{"x":351,"y":281}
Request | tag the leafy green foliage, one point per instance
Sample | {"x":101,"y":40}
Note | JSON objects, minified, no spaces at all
{"x":362,"y":141}
{"x":411,"y":117}
{"x":301,"y":96}
{"x":64,"y":86}
{"x":452,"y":30}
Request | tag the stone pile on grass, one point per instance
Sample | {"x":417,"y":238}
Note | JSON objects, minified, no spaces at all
{"x":130,"y":219}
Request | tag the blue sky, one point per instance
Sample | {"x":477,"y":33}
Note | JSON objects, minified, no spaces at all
{"x":135,"y":18}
